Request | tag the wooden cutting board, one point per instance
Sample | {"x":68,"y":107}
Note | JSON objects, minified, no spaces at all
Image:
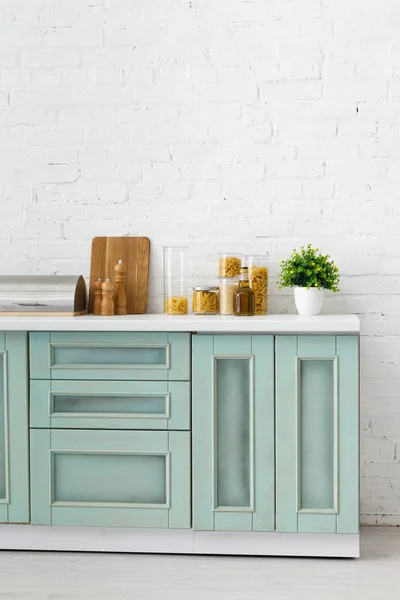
{"x":135,"y":252}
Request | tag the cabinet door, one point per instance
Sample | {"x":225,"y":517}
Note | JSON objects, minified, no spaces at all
{"x":110,"y":478}
{"x":317,"y":456}
{"x":14,"y":473}
{"x":233,"y":432}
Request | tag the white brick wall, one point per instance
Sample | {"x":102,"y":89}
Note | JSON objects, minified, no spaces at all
{"x":256,"y":124}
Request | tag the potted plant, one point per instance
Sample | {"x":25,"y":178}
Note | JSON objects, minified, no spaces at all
{"x":310,"y":273}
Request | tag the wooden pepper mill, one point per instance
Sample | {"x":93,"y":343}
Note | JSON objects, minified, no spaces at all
{"x":120,"y":288}
{"x":97,"y":297}
{"x":107,"y":300}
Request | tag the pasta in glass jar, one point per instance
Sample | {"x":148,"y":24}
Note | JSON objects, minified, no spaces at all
{"x":229,"y":265}
{"x":258,"y":279}
{"x":205,"y":300}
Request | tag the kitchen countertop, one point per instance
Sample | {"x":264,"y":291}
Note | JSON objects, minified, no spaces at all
{"x":191,"y":323}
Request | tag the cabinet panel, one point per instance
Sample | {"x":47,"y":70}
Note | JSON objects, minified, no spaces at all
{"x":316,"y":456}
{"x":70,"y":486}
{"x":110,"y":404}
{"x":233,"y":432}
{"x":110,"y":356}
{"x":74,"y":356}
{"x":317,"y":412}
{"x":14,"y":473}
{"x":3,"y":427}
{"x":120,"y":479}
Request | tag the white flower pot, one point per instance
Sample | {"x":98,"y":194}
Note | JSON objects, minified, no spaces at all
{"x":308,"y":301}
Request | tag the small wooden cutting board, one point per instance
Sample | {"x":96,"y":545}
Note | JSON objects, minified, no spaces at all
{"x":135,"y":252}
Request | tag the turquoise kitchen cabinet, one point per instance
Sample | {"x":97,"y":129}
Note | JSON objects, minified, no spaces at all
{"x":110,"y":404}
{"x":317,"y":434}
{"x":110,"y":356}
{"x":14,"y":462}
{"x":111,"y":478}
{"x":200,"y":440}
{"x":233,"y":432}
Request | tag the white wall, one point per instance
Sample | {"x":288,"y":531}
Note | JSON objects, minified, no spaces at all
{"x":249,"y":124}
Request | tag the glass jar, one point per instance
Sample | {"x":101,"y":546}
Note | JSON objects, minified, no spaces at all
{"x":258,"y":280}
{"x":229,"y":265}
{"x":244,"y":299}
{"x":205,"y":300}
{"x":227,"y":289}
{"x":175,"y":293}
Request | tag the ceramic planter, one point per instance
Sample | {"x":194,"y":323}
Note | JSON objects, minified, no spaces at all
{"x":308,"y":301}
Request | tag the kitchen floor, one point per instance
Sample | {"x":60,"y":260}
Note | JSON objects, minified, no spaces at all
{"x":62,"y":576}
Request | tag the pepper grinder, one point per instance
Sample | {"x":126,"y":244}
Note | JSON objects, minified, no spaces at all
{"x":107,"y":300}
{"x":120,"y":288}
{"x":97,"y":297}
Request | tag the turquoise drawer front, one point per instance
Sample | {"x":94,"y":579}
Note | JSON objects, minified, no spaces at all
{"x":110,"y":404}
{"x":110,"y":356}
{"x":110,"y":478}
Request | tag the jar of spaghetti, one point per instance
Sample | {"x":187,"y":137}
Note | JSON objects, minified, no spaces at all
{"x":229,"y":265}
{"x":258,"y":280}
{"x":205,"y":300}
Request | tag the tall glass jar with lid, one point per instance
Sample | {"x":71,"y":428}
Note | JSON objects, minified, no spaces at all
{"x":258,"y":278}
{"x":229,"y":265}
{"x":175,"y":290}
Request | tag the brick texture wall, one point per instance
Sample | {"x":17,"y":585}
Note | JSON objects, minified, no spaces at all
{"x":248,"y":124}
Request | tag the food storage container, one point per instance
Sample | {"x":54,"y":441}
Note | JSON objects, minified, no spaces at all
{"x":227,"y":290}
{"x":44,"y":295}
{"x":229,"y":264}
{"x":175,"y":292}
{"x":258,"y":279}
{"x":205,"y":300}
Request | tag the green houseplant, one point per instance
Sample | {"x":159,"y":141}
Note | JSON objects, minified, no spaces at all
{"x":310,"y":273}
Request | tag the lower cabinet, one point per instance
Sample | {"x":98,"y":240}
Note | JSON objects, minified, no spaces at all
{"x":233,"y":433}
{"x":275,"y":433}
{"x":14,"y":447}
{"x":317,"y":439}
{"x":111,"y":478}
{"x":274,"y":423}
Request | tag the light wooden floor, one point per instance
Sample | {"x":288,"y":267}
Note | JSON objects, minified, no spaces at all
{"x":62,"y":576}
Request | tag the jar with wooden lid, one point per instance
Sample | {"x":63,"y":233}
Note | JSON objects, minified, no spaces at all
{"x":229,"y":265}
{"x":205,"y":300}
{"x":258,"y":280}
{"x":244,"y":300}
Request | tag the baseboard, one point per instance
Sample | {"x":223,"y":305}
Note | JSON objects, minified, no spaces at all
{"x":177,"y":541}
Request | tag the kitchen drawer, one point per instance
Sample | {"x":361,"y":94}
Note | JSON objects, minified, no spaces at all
{"x":110,"y":356}
{"x":110,"y":478}
{"x":110,"y":404}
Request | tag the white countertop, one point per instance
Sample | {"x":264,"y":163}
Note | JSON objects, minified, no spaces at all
{"x":202,"y":324}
